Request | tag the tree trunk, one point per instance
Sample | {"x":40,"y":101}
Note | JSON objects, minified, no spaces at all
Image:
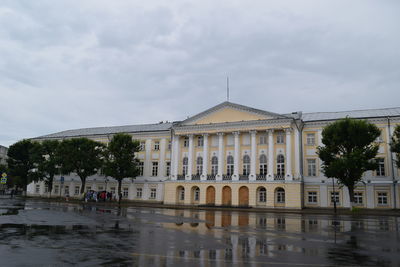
{"x":119,"y":191}
{"x":351,"y":195}
{"x":83,"y":179}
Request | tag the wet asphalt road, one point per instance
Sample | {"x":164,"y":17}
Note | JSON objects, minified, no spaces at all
{"x":34,"y":233}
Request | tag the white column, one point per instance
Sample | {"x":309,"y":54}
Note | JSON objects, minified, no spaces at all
{"x":253,"y":156}
{"x":236,"y":157}
{"x":270,"y":175}
{"x":161,"y":161}
{"x":220,"y":155}
{"x":175,"y":160}
{"x":147,"y":161}
{"x":190,"y":159}
{"x":288,"y":176}
{"x":205,"y":157}
{"x":296,"y":154}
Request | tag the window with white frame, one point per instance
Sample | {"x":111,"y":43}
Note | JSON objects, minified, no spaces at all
{"x":139,"y":192}
{"x":214,"y":165}
{"x":125,"y":192}
{"x":263,"y":165}
{"x":358,"y":198}
{"x":141,"y":168}
{"x":312,"y":197}
{"x":157,"y":145}
{"x":229,"y":165}
{"x":280,"y":138}
{"x":263,"y":139}
{"x":196,"y":194}
{"x":186,"y":141}
{"x":142,"y":146}
{"x":169,"y":145}
{"x":335,"y":198}
{"x":382,"y":198}
{"x":185,"y":163}
{"x":46,"y":188}
{"x":310,"y":139}
{"x":66,"y":190}
{"x":154,"y":171}
{"x":280,"y":195}
{"x":200,"y":141}
{"x":37,"y":189}
{"x":181,"y":194}
{"x":381,"y":167}
{"x":167,"y":168}
{"x":280,"y":166}
{"x":76,"y":192}
{"x":153,"y":193}
{"x":312,"y":167}
{"x":246,"y":165}
{"x":262,"y":195}
{"x":56,"y":187}
{"x":199,"y":165}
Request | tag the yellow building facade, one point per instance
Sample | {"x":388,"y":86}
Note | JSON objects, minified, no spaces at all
{"x":234,"y":155}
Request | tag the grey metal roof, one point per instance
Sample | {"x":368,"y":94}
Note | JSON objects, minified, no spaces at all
{"x":110,"y":130}
{"x":368,"y":113}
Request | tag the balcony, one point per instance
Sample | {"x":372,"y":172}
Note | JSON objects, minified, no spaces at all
{"x":195,"y":177}
{"x":211,"y":177}
{"x":261,"y":177}
{"x":226,"y":177}
{"x":279,"y":177}
{"x":243,"y":177}
{"x":181,"y":177}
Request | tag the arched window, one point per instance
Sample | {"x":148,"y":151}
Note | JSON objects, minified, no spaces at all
{"x":199,"y":167}
{"x":196,"y":194}
{"x":262,"y":195}
{"x":280,"y":195}
{"x":214,"y":165}
{"x":229,"y":165}
{"x":185,"y":162}
{"x":263,"y":165}
{"x":280,"y":166}
{"x":181,"y":193}
{"x":246,"y":165}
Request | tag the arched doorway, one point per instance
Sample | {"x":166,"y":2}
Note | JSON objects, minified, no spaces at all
{"x":243,"y":196}
{"x":210,"y":195}
{"x":226,"y":196}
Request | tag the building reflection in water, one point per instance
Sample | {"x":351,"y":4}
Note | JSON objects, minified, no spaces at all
{"x":262,"y":237}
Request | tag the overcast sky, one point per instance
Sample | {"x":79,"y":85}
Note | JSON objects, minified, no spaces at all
{"x":72,"y":64}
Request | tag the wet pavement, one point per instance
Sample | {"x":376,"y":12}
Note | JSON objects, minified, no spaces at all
{"x":35,"y":233}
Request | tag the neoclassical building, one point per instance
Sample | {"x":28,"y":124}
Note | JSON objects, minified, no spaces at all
{"x":235,"y":155}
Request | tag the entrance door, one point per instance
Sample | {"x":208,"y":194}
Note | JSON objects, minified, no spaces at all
{"x":226,"y":196}
{"x":210,"y":196}
{"x":243,"y":196}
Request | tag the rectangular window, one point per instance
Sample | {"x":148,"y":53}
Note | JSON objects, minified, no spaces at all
{"x":167,"y":168}
{"x":56,"y":189}
{"x":263,"y":139}
{"x":280,"y":138}
{"x":381,"y":167}
{"x":335,"y":197}
{"x":153,"y":193}
{"x":139,"y":192}
{"x":76,"y":192}
{"x":169,"y":145}
{"x":88,"y":188}
{"x":66,"y":190}
{"x":312,"y":167}
{"x":382,"y":198}
{"x":141,"y":168}
{"x":157,"y":145}
{"x":100,"y":188}
{"x":154,"y":171}
{"x":37,"y":189}
{"x":200,"y":141}
{"x":125,"y":192}
{"x":142,"y":146}
{"x":46,"y":188}
{"x":112,"y":190}
{"x":186,"y":142}
{"x":310,"y":139}
{"x":312,"y":198}
{"x":358,"y":198}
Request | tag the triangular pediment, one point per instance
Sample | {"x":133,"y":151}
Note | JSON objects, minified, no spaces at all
{"x":230,"y":112}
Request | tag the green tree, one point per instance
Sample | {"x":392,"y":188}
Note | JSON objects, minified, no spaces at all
{"x":20,"y":162}
{"x":46,"y":158}
{"x":395,"y":144}
{"x":81,"y":156}
{"x":120,"y":161}
{"x":349,"y":151}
